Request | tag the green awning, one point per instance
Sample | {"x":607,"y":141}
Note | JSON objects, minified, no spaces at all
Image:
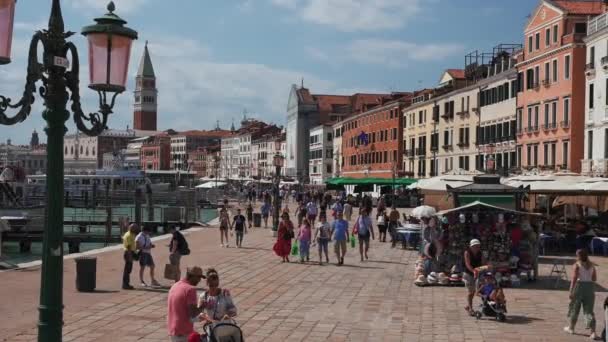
{"x":370,"y":181}
{"x":505,"y":201}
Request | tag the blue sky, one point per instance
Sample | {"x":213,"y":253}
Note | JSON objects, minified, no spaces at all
{"x":216,"y":58}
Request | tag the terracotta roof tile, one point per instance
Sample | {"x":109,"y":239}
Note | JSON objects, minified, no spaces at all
{"x":456,"y":73}
{"x":583,"y":7}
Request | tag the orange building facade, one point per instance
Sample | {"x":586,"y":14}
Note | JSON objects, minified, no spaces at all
{"x":551,"y":89}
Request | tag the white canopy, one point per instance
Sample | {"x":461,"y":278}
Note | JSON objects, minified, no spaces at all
{"x":548,"y":182}
{"x":481,"y":204}
{"x":439,"y":183}
{"x":210,"y":185}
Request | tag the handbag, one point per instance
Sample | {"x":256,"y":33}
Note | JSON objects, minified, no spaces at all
{"x":295,"y":248}
{"x":136,"y":255}
{"x":356,"y":227}
{"x":171,"y":272}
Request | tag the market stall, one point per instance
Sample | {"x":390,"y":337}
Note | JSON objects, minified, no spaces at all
{"x":507,"y":239}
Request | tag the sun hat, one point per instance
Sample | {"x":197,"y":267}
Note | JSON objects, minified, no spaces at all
{"x":474,"y":242}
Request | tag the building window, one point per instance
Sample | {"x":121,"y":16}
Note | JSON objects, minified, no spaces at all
{"x":565,"y":154}
{"x":519,"y":151}
{"x":547,"y":37}
{"x":567,"y":67}
{"x":546,"y":115}
{"x":546,"y":154}
{"x":537,"y":42}
{"x":555,"y":27}
{"x":606,"y":143}
{"x":555,"y":70}
{"x":529,"y":155}
{"x":566,"y":111}
{"x":536,"y":117}
{"x":535,"y":148}
{"x":530,"y":44}
{"x":591,"y":95}
{"x":590,"y":144}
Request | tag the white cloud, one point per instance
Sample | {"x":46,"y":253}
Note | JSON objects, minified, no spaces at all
{"x":354,"y":15}
{"x":389,"y":53}
{"x":122,"y":6}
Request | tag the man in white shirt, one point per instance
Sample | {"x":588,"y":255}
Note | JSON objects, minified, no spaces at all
{"x":145,"y":245}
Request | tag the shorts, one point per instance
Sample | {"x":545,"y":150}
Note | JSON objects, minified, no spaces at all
{"x":145,"y":259}
{"x":364,"y":237}
{"x":223,"y":227}
{"x":312,"y":217}
{"x":340,"y":247}
{"x":174,"y":259}
{"x":382,"y":228}
{"x":265,"y":215}
{"x":469,"y":282}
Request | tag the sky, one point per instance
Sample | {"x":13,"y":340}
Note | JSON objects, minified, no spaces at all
{"x":216,"y":59}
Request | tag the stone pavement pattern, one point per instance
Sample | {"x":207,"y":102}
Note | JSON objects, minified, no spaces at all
{"x":370,"y":301}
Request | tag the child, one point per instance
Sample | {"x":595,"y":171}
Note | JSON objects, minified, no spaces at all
{"x":304,"y":236}
{"x":382,"y":221}
{"x":322,"y":235}
{"x":491,"y":291}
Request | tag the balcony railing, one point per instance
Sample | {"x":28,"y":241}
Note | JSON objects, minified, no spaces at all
{"x":519,"y":130}
{"x":565,"y":124}
{"x":546,"y":82}
{"x":421,"y":151}
{"x":463,"y":143}
{"x":411,"y":152}
{"x":597,"y":23}
{"x":447,"y":146}
{"x":434,"y":148}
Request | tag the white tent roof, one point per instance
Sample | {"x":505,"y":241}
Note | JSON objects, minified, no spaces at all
{"x":210,"y":185}
{"x":549,"y":182}
{"x":439,"y":183}
{"x":478,"y":203}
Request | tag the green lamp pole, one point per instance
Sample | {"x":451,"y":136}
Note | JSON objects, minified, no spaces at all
{"x":109,"y":44}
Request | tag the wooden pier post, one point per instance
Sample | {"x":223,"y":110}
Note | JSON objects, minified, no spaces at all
{"x":108,"y":215}
{"x":138,"y":207}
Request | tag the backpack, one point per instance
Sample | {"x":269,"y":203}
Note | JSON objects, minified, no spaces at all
{"x":182,"y":245}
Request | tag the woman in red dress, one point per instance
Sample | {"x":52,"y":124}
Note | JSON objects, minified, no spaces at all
{"x":282,"y":247}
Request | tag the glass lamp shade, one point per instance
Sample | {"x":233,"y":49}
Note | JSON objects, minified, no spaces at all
{"x":108,"y":61}
{"x":7,"y":16}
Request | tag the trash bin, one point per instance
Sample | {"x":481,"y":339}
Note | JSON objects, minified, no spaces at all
{"x":86,"y":274}
{"x":257,"y":220}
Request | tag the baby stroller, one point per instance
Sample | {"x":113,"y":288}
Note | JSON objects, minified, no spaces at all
{"x":224,"y":331}
{"x":488,"y":307}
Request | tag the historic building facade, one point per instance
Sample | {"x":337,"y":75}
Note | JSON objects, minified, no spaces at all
{"x":551,"y":99}
{"x":321,"y":151}
{"x":595,"y":161}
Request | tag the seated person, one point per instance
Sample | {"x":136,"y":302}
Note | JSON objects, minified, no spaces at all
{"x":490,"y":290}
{"x":216,"y":303}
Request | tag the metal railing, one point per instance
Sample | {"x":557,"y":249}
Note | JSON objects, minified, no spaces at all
{"x":597,"y":23}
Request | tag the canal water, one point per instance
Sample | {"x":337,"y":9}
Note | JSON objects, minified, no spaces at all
{"x":10,"y":250}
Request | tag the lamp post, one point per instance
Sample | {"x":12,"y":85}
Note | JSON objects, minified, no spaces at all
{"x":277,"y":161}
{"x":109,"y":43}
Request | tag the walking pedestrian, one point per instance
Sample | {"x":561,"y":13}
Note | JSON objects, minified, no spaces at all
{"x":348,"y":211}
{"x":177,"y":248}
{"x":130,"y":248}
{"x":265,"y":209}
{"x":224,"y":225}
{"x":249,"y":213}
{"x":238,"y":223}
{"x":338,"y":206}
{"x":301,"y":212}
{"x":322,"y":236}
{"x":582,"y":293}
{"x":393,"y":223}
{"x":364,"y":228}
{"x":339,"y":231}
{"x":145,"y":245}
{"x":311,"y":211}
{"x":382,"y":221}
{"x":285,"y":233}
{"x":304,"y":237}
{"x":182,"y":308}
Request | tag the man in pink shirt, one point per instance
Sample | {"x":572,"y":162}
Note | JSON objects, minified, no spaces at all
{"x":182,"y":305}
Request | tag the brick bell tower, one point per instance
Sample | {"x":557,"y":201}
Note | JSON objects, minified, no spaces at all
{"x":145,"y":105}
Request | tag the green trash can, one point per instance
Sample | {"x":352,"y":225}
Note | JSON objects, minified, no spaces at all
{"x":86,"y":274}
{"x":257,"y":220}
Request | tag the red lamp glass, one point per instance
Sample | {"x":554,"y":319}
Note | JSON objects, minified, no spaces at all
{"x":109,"y":52}
{"x":7,"y":17}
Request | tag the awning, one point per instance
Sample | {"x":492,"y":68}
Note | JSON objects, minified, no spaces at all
{"x":210,"y":185}
{"x":370,"y":181}
{"x":487,"y":206}
{"x":504,"y":201}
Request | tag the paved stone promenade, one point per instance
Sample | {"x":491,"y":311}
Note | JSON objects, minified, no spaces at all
{"x":371,"y":301}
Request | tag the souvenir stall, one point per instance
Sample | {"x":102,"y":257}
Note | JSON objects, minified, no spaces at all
{"x":507,"y":240}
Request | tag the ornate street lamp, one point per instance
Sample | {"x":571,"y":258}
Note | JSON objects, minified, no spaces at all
{"x":278,"y":160}
{"x":109,"y":52}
